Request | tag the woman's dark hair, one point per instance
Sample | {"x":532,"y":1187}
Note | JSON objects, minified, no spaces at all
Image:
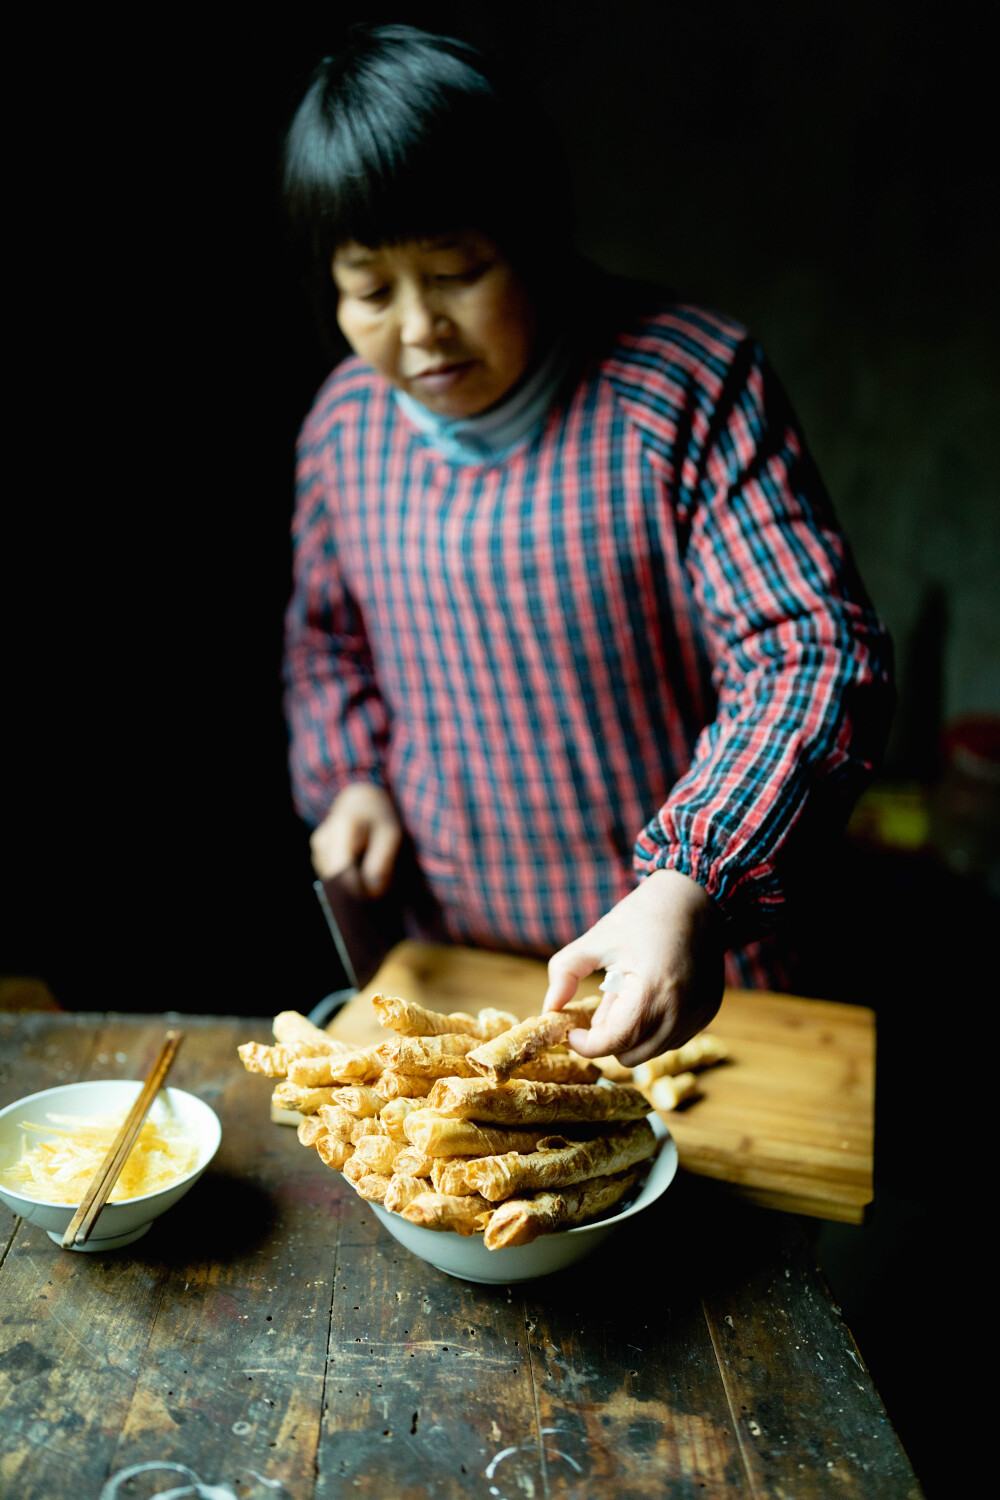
{"x":403,"y":135}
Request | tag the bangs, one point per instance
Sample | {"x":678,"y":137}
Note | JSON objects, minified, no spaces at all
{"x":400,"y":172}
{"x":405,"y":136}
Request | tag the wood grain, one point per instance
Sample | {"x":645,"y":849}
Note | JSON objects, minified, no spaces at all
{"x":787,"y":1122}
{"x":268,"y":1331}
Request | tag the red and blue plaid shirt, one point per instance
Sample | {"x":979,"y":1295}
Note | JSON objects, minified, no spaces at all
{"x":638,"y":642}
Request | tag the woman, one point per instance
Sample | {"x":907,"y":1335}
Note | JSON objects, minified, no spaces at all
{"x":571,"y":610}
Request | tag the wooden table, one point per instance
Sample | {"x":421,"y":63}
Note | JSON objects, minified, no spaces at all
{"x":268,"y":1337}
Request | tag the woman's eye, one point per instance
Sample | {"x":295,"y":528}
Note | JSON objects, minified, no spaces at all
{"x":377,"y":295}
{"x":469,"y":275}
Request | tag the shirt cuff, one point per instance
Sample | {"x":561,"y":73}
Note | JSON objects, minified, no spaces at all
{"x":749,"y":901}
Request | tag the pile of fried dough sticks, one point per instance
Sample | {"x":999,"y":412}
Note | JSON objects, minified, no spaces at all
{"x":476,"y":1124}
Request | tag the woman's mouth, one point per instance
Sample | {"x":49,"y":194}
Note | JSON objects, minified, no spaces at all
{"x":441,"y":377}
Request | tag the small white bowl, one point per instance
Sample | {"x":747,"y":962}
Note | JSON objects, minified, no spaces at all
{"x":118,"y":1223}
{"x":466,"y":1256}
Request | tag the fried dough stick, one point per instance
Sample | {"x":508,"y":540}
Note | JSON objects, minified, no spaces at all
{"x":394,"y":1115}
{"x":422,"y":1057}
{"x":410,"y":1019}
{"x":437,"y":1135}
{"x":498,"y":1059}
{"x":334,"y":1152}
{"x":348,"y":1067}
{"x":291,"y":1027}
{"x":273,"y":1062}
{"x":361,"y":1100}
{"x":361,"y":1130}
{"x":307,"y":1101}
{"x":378,"y":1152}
{"x":667,"y":1092}
{"x":521,"y":1220}
{"x":469,"y":1215}
{"x":702,"y":1051}
{"x":559,"y":1067}
{"x":311,"y":1129}
{"x":338,"y":1120}
{"x":412,"y":1162}
{"x":521,"y":1102}
{"x":582,"y":1011}
{"x":402,"y":1191}
{"x":497,"y":1177}
{"x":373,"y":1186}
{"x":393,"y":1085}
{"x":429,"y":1057}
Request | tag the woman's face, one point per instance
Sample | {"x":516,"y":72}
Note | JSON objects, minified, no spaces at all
{"x":447,"y":320}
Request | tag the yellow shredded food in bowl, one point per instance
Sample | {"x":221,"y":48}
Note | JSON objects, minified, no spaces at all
{"x":60,"y":1168}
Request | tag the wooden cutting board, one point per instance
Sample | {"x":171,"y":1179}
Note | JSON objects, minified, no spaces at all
{"x":787,"y":1122}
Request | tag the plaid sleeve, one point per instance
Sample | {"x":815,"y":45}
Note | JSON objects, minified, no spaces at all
{"x":801,"y":663}
{"x":338,"y":724}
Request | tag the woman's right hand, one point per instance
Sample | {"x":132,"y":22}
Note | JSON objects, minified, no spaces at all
{"x":362,"y":830}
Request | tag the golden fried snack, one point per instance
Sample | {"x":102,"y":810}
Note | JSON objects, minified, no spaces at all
{"x":290,"y":1026}
{"x":581,"y":1012}
{"x":334,"y":1152}
{"x":613,"y":1069}
{"x":496,"y":1177}
{"x":377,"y":1153}
{"x":281,"y":1114}
{"x":394,"y":1115}
{"x":437,"y":1135}
{"x":411,"y":1162}
{"x":498,"y":1059}
{"x":521,"y":1220}
{"x":403,"y":1190}
{"x":410,"y":1019}
{"x":361,"y":1100}
{"x":667,"y":1093}
{"x":373,"y":1186}
{"x":273,"y":1062}
{"x":429,"y":1057}
{"x":338,"y":1120}
{"x":310,"y":1129}
{"x":354,"y":1170}
{"x":451,"y":1174}
{"x":307,"y":1101}
{"x":362,"y":1129}
{"x":702,"y":1051}
{"x":521,"y":1102}
{"x":349,"y":1067}
{"x":559,"y":1067}
{"x":492,"y":1022}
{"x":393,"y":1085}
{"x":438,"y":1211}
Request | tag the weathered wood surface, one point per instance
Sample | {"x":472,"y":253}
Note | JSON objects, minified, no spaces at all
{"x":271,"y":1337}
{"x":788,"y":1123}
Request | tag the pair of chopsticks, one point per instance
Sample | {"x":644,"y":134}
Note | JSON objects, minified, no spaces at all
{"x":108,"y":1173}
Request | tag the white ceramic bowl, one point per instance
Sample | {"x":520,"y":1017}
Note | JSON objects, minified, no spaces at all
{"x":118,"y":1223}
{"x":466,"y":1256}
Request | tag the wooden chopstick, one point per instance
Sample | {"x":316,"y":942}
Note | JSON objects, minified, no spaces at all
{"x":94,"y":1199}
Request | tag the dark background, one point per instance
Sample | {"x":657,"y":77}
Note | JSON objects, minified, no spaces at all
{"x":822,"y":173}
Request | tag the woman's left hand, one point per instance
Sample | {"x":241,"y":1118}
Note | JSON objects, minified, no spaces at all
{"x":665,"y":938}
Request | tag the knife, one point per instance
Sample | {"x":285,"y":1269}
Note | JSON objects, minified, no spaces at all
{"x":363,"y":928}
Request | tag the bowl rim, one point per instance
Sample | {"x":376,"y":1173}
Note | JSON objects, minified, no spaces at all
{"x":102,"y":1083}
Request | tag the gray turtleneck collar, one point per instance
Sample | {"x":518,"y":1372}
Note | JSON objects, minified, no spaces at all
{"x":494,"y":434}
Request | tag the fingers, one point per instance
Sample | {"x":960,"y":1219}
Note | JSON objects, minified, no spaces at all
{"x":361,"y":831}
{"x":567,"y":968}
{"x":384,"y":840}
{"x":620,"y":1023}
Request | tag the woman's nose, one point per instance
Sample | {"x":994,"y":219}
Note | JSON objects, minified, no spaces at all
{"x":422,"y":323}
